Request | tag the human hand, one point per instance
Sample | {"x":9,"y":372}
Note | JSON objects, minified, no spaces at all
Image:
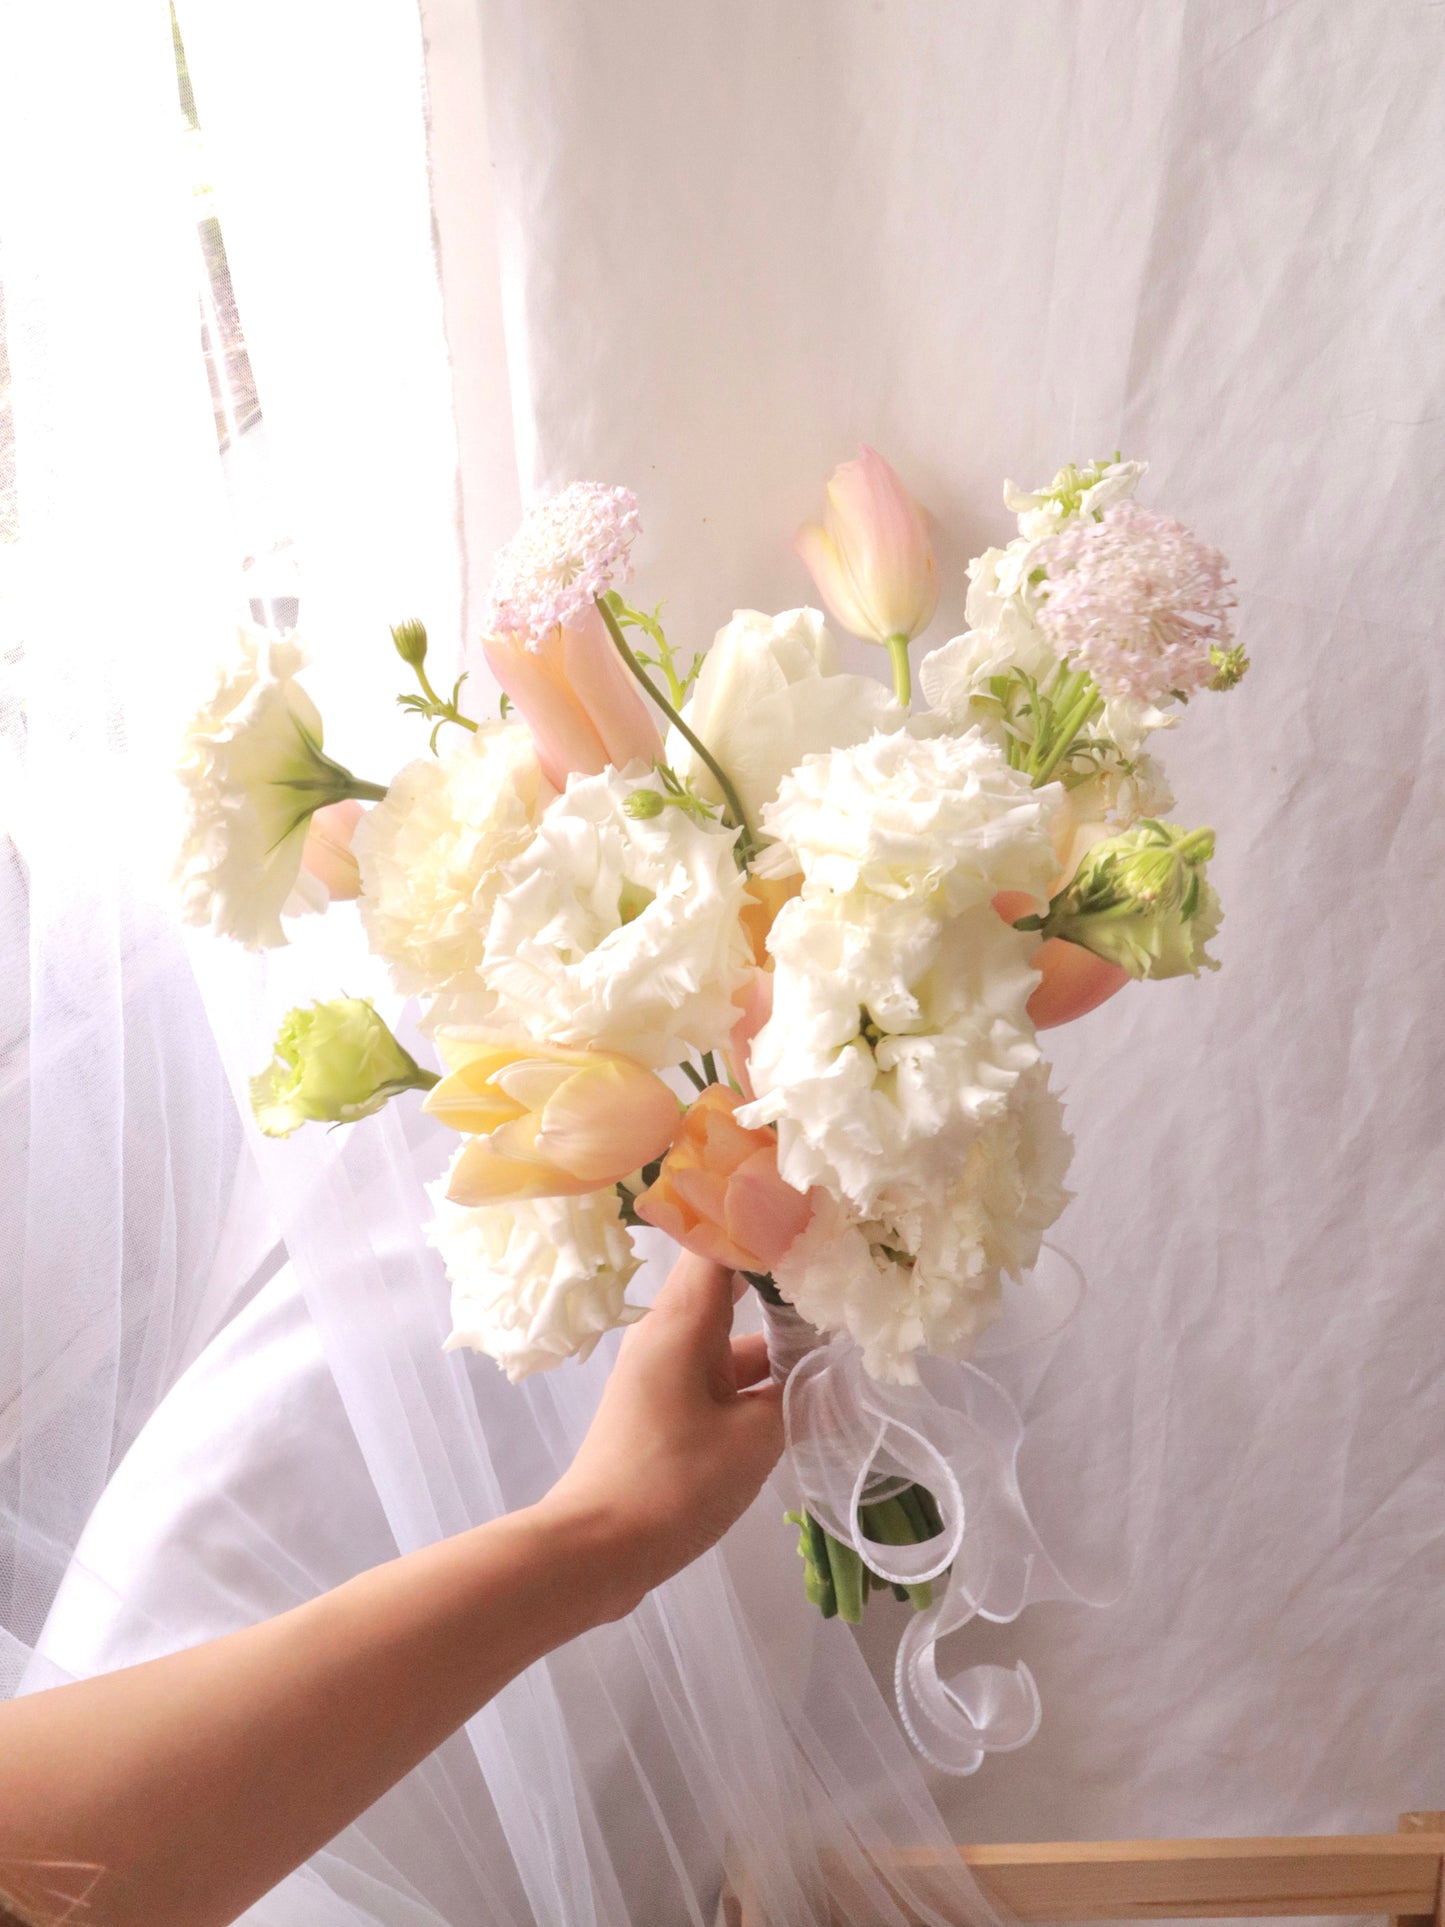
{"x":689,"y":1427}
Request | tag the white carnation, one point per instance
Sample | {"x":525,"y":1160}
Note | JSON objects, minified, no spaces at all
{"x":894,"y":1036}
{"x":534,"y":1282}
{"x":924,"y":1272}
{"x":941,"y":821}
{"x":769,"y":693}
{"x":618,"y":932}
{"x":249,"y":766}
{"x":432,"y":852}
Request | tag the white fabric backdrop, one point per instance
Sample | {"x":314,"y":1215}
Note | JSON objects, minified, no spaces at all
{"x":737,"y":239}
{"x":718,"y":246}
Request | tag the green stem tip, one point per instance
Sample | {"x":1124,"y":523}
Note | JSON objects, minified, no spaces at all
{"x":747,"y":838}
{"x":902,"y":673}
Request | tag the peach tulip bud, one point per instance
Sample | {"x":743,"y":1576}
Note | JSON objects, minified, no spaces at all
{"x":546,"y":1122}
{"x":1072,"y":980}
{"x":871,"y":556}
{"x":326,"y":853}
{"x":577,"y":697}
{"x":718,"y":1192}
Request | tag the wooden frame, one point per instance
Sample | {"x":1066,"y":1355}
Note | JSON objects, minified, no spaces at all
{"x":1394,"y":1874}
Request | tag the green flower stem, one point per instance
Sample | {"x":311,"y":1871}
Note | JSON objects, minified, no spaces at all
{"x":361,"y":792}
{"x":693,"y":1076}
{"x":1074,"y":719}
{"x":902,"y":674}
{"x":848,"y":1586}
{"x":709,"y":1064}
{"x":747,"y":838}
{"x":447,"y":711}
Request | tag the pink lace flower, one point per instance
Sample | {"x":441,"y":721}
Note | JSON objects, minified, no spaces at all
{"x":1137,"y":600}
{"x":569,"y":549}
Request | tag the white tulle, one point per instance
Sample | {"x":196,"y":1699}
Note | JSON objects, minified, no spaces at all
{"x":187,"y":1447}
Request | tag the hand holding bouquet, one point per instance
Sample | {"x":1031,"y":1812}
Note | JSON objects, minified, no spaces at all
{"x":750,"y":949}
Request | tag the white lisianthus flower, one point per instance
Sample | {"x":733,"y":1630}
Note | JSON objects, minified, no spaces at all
{"x":253,"y":772}
{"x":924,"y":1271}
{"x":431,"y":855}
{"x":619,"y":932}
{"x":536,"y":1281}
{"x":770,"y":692}
{"x":940,"y":821}
{"x":1074,"y":492}
{"x":334,"y":1062}
{"x":894,"y":1036}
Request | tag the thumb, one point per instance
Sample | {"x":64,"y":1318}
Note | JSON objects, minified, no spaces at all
{"x":697,"y":1300}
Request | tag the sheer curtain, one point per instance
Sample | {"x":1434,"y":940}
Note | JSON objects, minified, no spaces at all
{"x":196,"y":1437}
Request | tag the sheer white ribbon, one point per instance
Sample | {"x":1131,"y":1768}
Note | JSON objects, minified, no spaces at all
{"x":853,"y":1440}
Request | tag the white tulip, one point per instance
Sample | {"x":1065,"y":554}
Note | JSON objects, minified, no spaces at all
{"x":769,"y":693}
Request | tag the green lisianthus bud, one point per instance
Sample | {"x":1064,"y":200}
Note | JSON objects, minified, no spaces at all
{"x":1142,"y":901}
{"x":410,"y":640}
{"x":334,"y":1062}
{"x":643,"y":804}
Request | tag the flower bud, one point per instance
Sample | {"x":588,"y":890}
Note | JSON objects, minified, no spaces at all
{"x":1229,"y":667}
{"x":643,"y":804}
{"x":871,"y":556}
{"x":545,"y":1122}
{"x":719,"y":1193}
{"x":410,"y":640}
{"x":334,"y":1062}
{"x":1141,"y":900}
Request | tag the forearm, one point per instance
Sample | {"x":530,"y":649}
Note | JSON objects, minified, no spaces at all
{"x":198,"y":1781}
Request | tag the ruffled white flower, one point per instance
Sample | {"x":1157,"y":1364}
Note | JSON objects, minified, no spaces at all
{"x":253,"y":771}
{"x":894,"y":1036}
{"x":431,"y":855}
{"x":618,"y":932}
{"x":569,"y":550}
{"x":941,"y":821}
{"x":924,"y":1272}
{"x":534,"y":1282}
{"x":1074,"y":492}
{"x":771,"y":692}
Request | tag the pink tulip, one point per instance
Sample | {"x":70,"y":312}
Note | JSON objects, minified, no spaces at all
{"x":577,"y":697}
{"x":871,"y":556}
{"x":719,"y":1193}
{"x":326,"y":853}
{"x":546,"y":1122}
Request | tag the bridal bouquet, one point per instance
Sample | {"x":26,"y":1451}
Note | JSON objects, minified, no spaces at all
{"x":752,"y":949}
